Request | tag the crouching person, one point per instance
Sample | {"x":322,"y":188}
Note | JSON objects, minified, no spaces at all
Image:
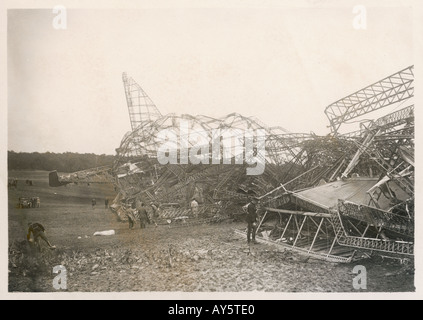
{"x":38,"y":232}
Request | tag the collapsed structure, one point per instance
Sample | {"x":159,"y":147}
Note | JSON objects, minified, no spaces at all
{"x":324,"y":196}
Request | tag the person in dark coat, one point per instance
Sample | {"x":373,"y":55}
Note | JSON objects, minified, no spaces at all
{"x":251,"y":219}
{"x":143,"y":215}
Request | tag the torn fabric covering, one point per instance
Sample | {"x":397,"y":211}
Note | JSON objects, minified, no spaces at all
{"x":354,"y":190}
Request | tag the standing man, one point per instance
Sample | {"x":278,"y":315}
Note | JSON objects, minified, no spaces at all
{"x":251,"y":219}
{"x":194,"y":208}
{"x":106,"y":203}
{"x":93,"y":203}
{"x":143,"y":215}
{"x":38,"y":232}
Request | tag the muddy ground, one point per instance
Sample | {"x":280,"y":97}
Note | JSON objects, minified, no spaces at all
{"x":199,"y":258}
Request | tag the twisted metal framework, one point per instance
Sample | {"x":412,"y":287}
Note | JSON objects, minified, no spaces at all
{"x":140,"y":106}
{"x":168,"y":183}
{"x":287,"y":156}
{"x":139,"y":174}
{"x":383,"y":223}
{"x":392,"y":89}
{"x":294,"y":162}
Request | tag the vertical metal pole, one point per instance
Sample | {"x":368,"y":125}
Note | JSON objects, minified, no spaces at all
{"x":374,"y":200}
{"x":315,"y":237}
{"x":261,"y":221}
{"x":333,"y":244}
{"x":296,"y":223}
{"x":286,"y":227}
{"x":334,"y":241}
{"x":316,"y":224}
{"x":337,"y":170}
{"x":365,"y":231}
{"x":299,"y":231}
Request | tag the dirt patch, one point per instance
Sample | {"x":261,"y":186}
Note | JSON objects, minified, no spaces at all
{"x":207,"y":258}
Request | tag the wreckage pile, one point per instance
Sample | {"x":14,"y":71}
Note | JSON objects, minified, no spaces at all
{"x":366,"y":200}
{"x":325,"y":196}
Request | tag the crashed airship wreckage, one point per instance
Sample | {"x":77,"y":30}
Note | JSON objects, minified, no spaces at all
{"x":327,"y":197}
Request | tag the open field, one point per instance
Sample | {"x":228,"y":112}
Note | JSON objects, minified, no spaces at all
{"x":206,"y":258}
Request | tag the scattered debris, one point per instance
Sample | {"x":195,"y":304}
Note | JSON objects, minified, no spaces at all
{"x":104,"y":233}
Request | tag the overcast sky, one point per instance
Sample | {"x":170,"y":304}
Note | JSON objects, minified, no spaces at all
{"x":281,"y":64}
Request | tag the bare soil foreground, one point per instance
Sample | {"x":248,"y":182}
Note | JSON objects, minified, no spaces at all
{"x":198,"y":258}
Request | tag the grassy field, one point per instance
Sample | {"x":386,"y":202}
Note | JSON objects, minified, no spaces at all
{"x":200,"y":258}
{"x":66,"y":212}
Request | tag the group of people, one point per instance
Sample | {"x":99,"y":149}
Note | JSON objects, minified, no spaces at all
{"x":137,"y":211}
{"x":94,"y":203}
{"x":12,"y":183}
{"x":33,"y":202}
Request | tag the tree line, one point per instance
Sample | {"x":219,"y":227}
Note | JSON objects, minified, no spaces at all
{"x":62,"y":162}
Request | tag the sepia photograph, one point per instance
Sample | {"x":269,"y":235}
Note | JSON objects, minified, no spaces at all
{"x":206,"y":149}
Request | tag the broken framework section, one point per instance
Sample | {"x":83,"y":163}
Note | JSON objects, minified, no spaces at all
{"x":366,"y":214}
{"x":316,"y":222}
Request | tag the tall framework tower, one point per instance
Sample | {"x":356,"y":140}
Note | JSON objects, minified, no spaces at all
{"x":140,"y":106}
